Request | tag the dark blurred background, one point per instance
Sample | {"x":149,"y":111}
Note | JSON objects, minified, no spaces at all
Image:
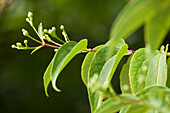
{"x":21,"y":85}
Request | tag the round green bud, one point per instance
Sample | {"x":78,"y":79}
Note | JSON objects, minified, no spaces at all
{"x":53,"y":29}
{"x":18,"y":44}
{"x":61,"y":27}
{"x":45,"y":31}
{"x":30,"y":14}
{"x":50,"y":31}
{"x":25,"y":41}
{"x":28,"y":20}
{"x":13,"y":46}
{"x":55,"y":50}
{"x":25,"y":32}
{"x":44,"y":37}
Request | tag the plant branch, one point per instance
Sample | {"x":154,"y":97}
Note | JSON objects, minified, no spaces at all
{"x":51,"y":45}
{"x":128,"y":53}
{"x":43,"y":43}
{"x":34,"y":39}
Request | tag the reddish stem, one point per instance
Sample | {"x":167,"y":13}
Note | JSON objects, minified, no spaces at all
{"x":51,"y":45}
{"x":129,"y":51}
{"x":93,"y":50}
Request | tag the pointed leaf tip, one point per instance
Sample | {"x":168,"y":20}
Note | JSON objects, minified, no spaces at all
{"x":55,"y":87}
{"x":37,"y":48}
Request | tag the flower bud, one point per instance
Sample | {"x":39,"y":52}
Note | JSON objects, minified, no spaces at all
{"x":28,"y":20}
{"x":25,"y":41}
{"x":44,"y":37}
{"x":61,"y":27}
{"x":25,"y":32}
{"x":55,"y":50}
{"x":53,"y":29}
{"x":13,"y":46}
{"x":50,"y":31}
{"x":47,"y":38}
{"x":30,"y":14}
{"x":18,"y":44}
{"x":45,"y":31}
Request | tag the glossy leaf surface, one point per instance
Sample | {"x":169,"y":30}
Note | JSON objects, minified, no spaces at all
{"x":137,"y":72}
{"x":64,"y":55}
{"x":40,"y":31}
{"x":96,"y":66}
{"x":157,"y":71}
{"x":111,"y":106}
{"x":110,"y":66}
{"x":99,"y":59}
{"x":86,"y":64}
{"x":47,"y":75}
{"x":114,"y":105}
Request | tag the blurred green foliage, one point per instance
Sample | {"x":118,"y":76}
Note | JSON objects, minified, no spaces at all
{"x":21,"y":73}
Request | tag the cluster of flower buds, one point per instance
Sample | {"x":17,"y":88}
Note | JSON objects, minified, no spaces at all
{"x":52,"y":32}
{"x":20,"y":46}
{"x":43,"y":34}
{"x":30,"y":18}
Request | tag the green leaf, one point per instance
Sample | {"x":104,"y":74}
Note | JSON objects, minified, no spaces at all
{"x":156,"y":29}
{"x":124,"y":77}
{"x":47,"y":75}
{"x":168,"y":76}
{"x":138,"y":70}
{"x":108,"y":70}
{"x":110,"y":66}
{"x":111,"y":106}
{"x":153,"y":111}
{"x":133,"y":16}
{"x":40,"y":31}
{"x":138,"y":109}
{"x":86,"y":64}
{"x":96,"y":66}
{"x":157,"y":100}
{"x":64,"y":55}
{"x":118,"y":44}
{"x":147,"y":90}
{"x":157,"y":70}
{"x":155,"y":97}
{"x":99,"y":59}
{"x":37,"y":48}
{"x":123,"y":110}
